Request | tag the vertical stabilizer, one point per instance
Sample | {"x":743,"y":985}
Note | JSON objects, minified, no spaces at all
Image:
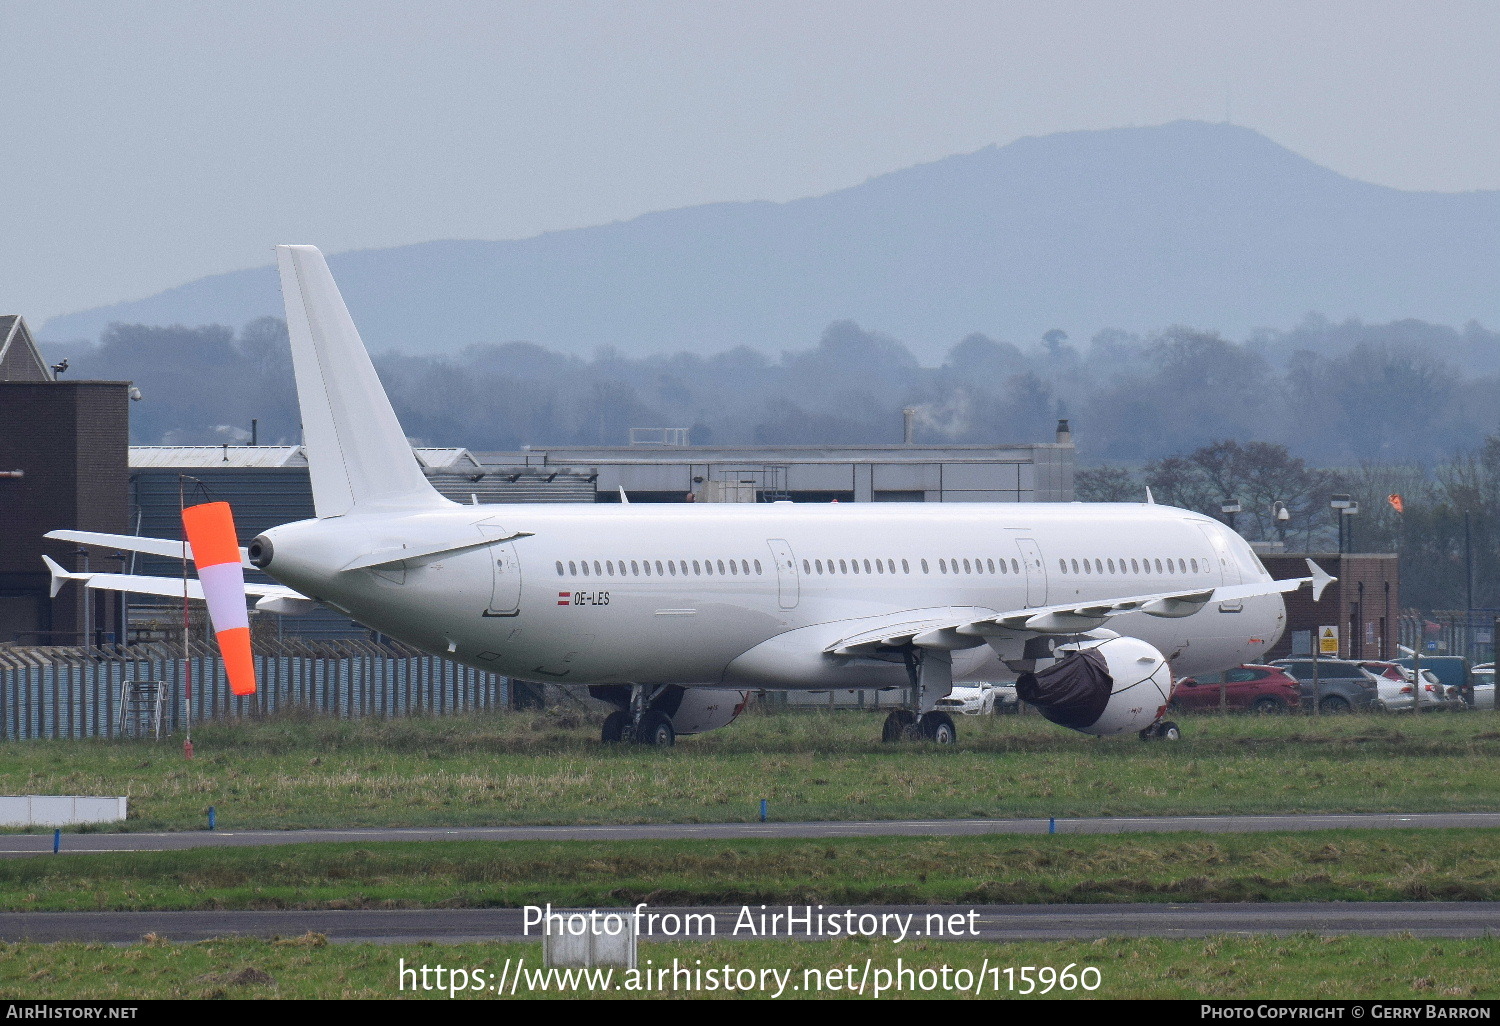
{"x":357,"y":454}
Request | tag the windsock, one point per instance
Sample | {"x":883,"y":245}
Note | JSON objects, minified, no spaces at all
{"x":216,"y":551}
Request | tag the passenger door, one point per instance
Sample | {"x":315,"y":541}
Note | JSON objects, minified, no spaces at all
{"x":1036,"y":571}
{"x":788,"y":585}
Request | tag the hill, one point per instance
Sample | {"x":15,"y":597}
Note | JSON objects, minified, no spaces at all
{"x":1211,"y":225}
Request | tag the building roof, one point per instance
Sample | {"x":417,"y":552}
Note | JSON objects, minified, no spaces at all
{"x":20,"y":360}
{"x":162,"y":457}
{"x":168,"y":456}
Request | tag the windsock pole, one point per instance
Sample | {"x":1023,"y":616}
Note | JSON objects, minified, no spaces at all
{"x":187,"y":662}
{"x":216,"y":551}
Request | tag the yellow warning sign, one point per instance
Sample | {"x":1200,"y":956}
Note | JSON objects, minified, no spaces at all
{"x":1328,"y":641}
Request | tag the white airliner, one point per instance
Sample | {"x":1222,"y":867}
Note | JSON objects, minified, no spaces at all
{"x":672,"y":613}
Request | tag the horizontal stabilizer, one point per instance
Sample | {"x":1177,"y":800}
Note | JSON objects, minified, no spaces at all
{"x":132,"y":543}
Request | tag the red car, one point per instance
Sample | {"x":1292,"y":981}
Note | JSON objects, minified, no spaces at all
{"x":1249,"y":688}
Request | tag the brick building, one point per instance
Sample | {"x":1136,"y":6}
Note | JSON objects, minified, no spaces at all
{"x":63,"y":464}
{"x":1364,"y":603}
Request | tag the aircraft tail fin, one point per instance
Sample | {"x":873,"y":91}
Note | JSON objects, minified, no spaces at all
{"x":358,"y":455}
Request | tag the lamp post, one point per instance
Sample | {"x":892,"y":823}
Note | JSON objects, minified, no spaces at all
{"x":1229,"y":509}
{"x":1283,"y":517}
{"x":1340,"y":504}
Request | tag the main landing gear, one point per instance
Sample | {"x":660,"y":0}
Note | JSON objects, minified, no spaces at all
{"x":638,"y":723}
{"x":930,"y":672}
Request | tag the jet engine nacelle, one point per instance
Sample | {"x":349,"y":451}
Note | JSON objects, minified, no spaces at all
{"x":691,"y":710}
{"x":1101,"y":687}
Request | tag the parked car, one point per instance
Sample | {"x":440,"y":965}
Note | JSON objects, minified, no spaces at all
{"x":979,"y":698}
{"x":1483,"y":686}
{"x":1252,"y":688}
{"x":1393,"y":686}
{"x":1344,"y":686}
{"x":1453,"y":671}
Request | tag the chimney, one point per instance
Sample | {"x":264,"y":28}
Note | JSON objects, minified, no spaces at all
{"x":909,"y":425}
{"x":1064,"y":435}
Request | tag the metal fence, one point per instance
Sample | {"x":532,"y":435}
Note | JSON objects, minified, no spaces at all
{"x":1467,"y":633}
{"x":75,"y":692}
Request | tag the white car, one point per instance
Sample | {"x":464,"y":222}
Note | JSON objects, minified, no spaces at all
{"x":980,"y":698}
{"x":1483,"y":678}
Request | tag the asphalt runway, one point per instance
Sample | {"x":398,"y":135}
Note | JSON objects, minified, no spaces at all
{"x":33,"y":844}
{"x":987,"y":922}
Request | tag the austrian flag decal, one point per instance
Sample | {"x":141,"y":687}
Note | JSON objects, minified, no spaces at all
{"x":565,"y":598}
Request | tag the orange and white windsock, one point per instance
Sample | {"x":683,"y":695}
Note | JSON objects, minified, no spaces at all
{"x":216,"y":551}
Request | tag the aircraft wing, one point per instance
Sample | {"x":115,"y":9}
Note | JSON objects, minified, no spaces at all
{"x":948,"y":632}
{"x":274,"y":598}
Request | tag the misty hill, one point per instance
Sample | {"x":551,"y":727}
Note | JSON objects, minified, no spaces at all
{"x":1211,"y":225}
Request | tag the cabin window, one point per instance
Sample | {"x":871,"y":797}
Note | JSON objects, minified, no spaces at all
{"x":905,"y":567}
{"x":635,"y":569}
{"x":584,"y":566}
{"x":721,"y":567}
{"x":1135,"y":567}
{"x":757,"y":568}
{"x":867,"y":566}
{"x":1195,"y":565}
{"x":925,"y":570}
{"x":942,"y":566}
{"x":991,"y":563}
{"x":659,"y":571}
{"x":733,"y":568}
{"x":559,"y":568}
{"x":879,"y":567}
{"x":1158,"y":565}
{"x":806,"y":567}
{"x":1111,"y":564}
{"x":854,"y":565}
{"x":1003,"y":568}
{"x":697,"y":569}
{"x":1182,"y":566}
{"x":1075,"y":565}
{"x":966,"y":567}
{"x":1062,"y":564}
{"x":609,"y":567}
{"x":1015,"y":564}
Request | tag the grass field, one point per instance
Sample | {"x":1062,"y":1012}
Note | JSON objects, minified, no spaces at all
{"x":1222,"y":967}
{"x":1383,"y":865}
{"x":549,"y":768}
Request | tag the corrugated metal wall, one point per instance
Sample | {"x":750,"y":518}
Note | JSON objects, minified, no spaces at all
{"x":69,"y":693}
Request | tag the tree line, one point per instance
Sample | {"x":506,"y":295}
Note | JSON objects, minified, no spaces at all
{"x":1447,"y":530}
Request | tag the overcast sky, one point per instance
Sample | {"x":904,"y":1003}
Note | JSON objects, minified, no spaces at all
{"x":147,"y":144}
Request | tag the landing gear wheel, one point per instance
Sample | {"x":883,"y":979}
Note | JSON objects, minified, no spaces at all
{"x":938,"y":728}
{"x":1166,"y":730}
{"x":897,"y":726}
{"x":616,"y":727}
{"x":656,"y":730}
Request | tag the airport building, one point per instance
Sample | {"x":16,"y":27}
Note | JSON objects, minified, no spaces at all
{"x":1364,"y":604}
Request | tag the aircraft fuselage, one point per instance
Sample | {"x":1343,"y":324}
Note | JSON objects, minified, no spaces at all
{"x":749,"y":595}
